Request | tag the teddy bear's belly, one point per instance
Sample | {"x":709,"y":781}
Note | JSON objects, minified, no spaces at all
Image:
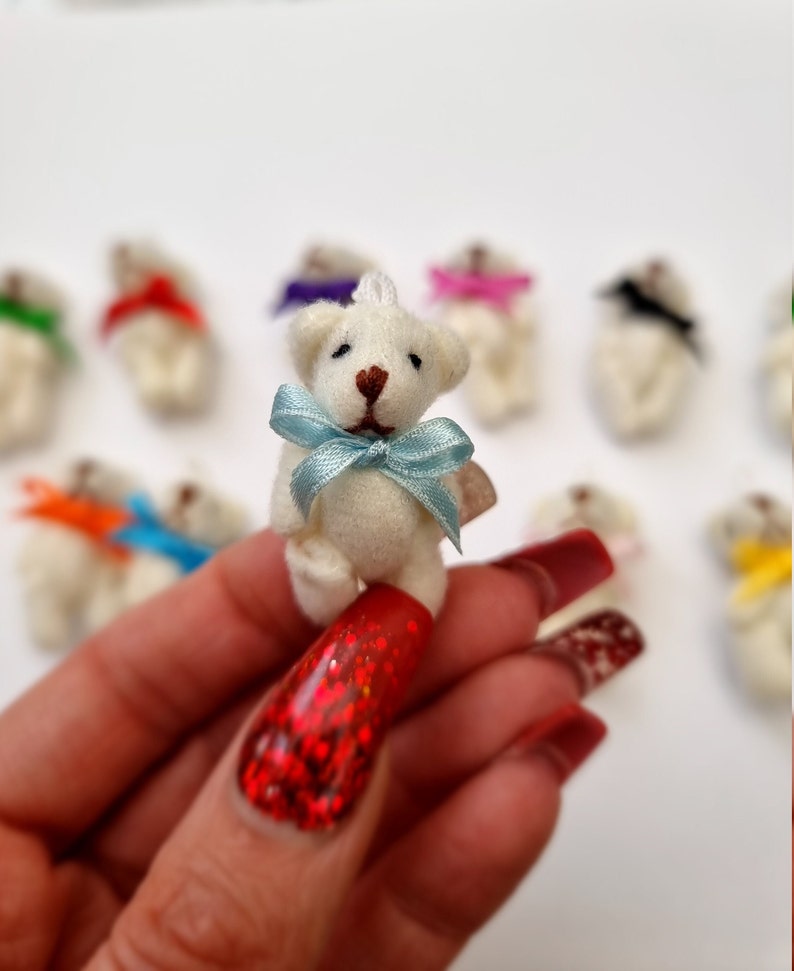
{"x":372,"y":520}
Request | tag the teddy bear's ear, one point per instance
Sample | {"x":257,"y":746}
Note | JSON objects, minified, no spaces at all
{"x":307,"y":333}
{"x":452,"y":357}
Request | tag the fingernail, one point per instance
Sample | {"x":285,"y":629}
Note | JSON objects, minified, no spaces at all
{"x":312,"y":749}
{"x":563,"y":569}
{"x":597,"y":647}
{"x":567,"y":738}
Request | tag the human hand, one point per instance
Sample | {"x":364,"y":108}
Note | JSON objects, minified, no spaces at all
{"x":127,"y":843}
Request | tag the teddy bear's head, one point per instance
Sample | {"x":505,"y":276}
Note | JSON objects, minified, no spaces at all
{"x":588,"y":506}
{"x":202,"y":514}
{"x":374,"y":367}
{"x":99,"y":481}
{"x":325,"y":261}
{"x":133,"y":263}
{"x":756,"y":517}
{"x":481,"y":259}
{"x":31,"y":290}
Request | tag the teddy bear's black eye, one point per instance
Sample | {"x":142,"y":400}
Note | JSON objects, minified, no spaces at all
{"x":341,"y":351}
{"x":415,"y":360}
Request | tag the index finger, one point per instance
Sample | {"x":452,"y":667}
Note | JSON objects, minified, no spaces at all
{"x":121,"y":701}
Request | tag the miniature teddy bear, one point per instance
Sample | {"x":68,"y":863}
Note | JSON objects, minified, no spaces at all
{"x":753,"y":538}
{"x":484,"y":297}
{"x":646,"y":350}
{"x":164,"y":543}
{"x":32,"y":351}
{"x":777,"y":363}
{"x":68,"y":556}
{"x":361,"y":487}
{"x":326,"y":272}
{"x":161,"y":333}
{"x":613,"y":520}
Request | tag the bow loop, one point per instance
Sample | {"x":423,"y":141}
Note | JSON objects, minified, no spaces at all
{"x":416,"y":460}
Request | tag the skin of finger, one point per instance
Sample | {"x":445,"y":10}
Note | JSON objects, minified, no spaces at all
{"x":32,"y":904}
{"x":130,"y":694}
{"x":231,"y":888}
{"x":432,"y":751}
{"x":420,"y":903}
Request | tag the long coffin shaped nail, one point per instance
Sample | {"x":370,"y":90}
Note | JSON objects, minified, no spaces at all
{"x":567,"y":738}
{"x":597,"y":647}
{"x":562,"y":569}
{"x":311,"y":751}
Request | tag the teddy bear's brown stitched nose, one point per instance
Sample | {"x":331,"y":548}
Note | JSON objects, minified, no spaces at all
{"x":371,"y":383}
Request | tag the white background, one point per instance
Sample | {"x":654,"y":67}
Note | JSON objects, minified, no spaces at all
{"x":580,"y":135}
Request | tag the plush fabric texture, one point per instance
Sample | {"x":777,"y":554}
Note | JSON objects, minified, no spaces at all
{"x":161,"y":335}
{"x":753,"y":538}
{"x":485,"y":300}
{"x":32,"y":351}
{"x":642,"y":369}
{"x":374,"y":369}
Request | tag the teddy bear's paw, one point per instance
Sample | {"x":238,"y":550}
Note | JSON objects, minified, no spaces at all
{"x":323,"y":580}
{"x":764,"y":660}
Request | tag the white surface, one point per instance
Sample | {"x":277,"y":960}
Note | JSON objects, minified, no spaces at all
{"x":583,"y":135}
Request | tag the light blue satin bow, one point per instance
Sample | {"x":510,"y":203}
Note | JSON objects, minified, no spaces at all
{"x":415,"y":460}
{"x":148,"y":533}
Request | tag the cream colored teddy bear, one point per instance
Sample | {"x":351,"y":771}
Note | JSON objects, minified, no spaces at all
{"x":32,"y":350}
{"x":646,"y":350}
{"x":613,"y":520}
{"x":358,"y":478}
{"x":161,"y":333}
{"x":777,"y":363}
{"x":165,"y":542}
{"x":65,"y":561}
{"x":327,"y":271}
{"x":753,"y":538}
{"x":484,"y":299}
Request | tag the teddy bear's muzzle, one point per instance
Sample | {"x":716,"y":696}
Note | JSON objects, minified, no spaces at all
{"x":371,"y":383}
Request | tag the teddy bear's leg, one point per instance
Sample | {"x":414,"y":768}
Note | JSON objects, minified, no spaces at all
{"x":31,"y":409}
{"x":323,"y":579}
{"x":486,"y":389}
{"x":105,"y":601}
{"x":191,"y":376}
{"x":659,"y":403}
{"x":50,"y":618}
{"x":423,"y":575}
{"x":763,"y":655}
{"x":617,"y":393}
{"x":520,"y":376}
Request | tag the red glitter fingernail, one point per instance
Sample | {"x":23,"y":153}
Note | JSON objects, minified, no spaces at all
{"x":311,"y":751}
{"x":597,"y":647}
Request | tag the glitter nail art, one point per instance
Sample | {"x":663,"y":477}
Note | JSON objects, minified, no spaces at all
{"x":597,"y":647}
{"x":311,"y":751}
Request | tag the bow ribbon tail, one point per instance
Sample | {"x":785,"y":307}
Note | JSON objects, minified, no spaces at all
{"x":319,"y":468}
{"x":436,"y":498}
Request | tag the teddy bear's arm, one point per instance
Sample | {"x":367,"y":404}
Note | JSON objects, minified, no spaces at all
{"x":285,"y":517}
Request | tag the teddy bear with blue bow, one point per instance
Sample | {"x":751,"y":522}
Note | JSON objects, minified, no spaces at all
{"x":365,"y":490}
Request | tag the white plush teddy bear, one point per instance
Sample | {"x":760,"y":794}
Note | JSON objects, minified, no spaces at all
{"x":326,"y":272}
{"x":753,"y":537}
{"x":32,"y":351}
{"x":165,"y":542}
{"x":484,"y":299}
{"x":777,"y":363}
{"x":359,"y":476}
{"x":613,"y":520}
{"x":646,"y":351}
{"x":161,"y":333}
{"x":67,"y":558}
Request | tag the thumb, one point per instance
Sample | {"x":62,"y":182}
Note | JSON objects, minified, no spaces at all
{"x":258,"y":870}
